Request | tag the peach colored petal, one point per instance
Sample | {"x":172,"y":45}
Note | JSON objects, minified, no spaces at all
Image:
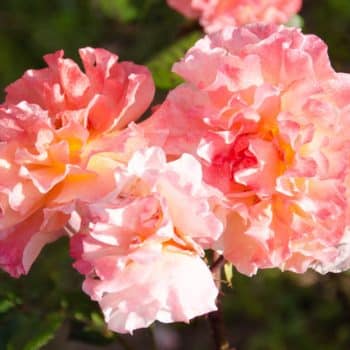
{"x":112,"y":94}
{"x":176,"y":287}
{"x":61,"y":141}
{"x":271,"y":137}
{"x":137,"y":240}
{"x":21,"y":244}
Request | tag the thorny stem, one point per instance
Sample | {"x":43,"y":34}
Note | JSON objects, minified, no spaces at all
{"x":215,"y":318}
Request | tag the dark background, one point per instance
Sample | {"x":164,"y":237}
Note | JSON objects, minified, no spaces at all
{"x":271,"y":311}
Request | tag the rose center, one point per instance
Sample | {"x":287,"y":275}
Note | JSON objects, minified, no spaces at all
{"x":237,"y":157}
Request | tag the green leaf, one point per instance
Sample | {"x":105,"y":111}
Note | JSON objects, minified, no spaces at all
{"x":124,"y":10}
{"x":296,"y":21}
{"x":228,"y":271}
{"x":6,"y":305}
{"x":97,"y":320}
{"x":34,"y":332}
{"x":161,"y":64}
{"x":45,"y":331}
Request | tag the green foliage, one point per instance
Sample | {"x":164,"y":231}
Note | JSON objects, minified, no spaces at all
{"x":160,"y":65}
{"x":28,"y":337}
{"x":34,"y":307}
{"x":331,"y":21}
{"x":127,"y":10}
{"x":296,"y":21}
{"x":120,"y":9}
{"x":285,"y":311}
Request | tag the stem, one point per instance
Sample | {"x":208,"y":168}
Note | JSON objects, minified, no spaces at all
{"x":215,"y":318}
{"x":215,"y":267}
{"x":153,"y":338}
{"x":124,"y":343}
{"x":216,"y":324}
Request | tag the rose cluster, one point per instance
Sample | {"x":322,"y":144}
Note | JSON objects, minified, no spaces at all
{"x":249,"y":158}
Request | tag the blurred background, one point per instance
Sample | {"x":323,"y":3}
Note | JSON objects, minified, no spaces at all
{"x":271,"y":311}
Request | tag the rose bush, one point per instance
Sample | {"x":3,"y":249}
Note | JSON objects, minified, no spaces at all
{"x":249,"y":158}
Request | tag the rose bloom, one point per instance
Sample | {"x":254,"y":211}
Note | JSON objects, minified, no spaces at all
{"x":56,"y":126}
{"x":217,"y":14}
{"x":141,"y":248}
{"x":267,"y":117}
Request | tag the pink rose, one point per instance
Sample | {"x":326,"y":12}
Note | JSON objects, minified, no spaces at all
{"x":52,"y":150}
{"x":217,"y":14}
{"x":141,"y":248}
{"x":108,"y":96}
{"x":267,"y":116}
